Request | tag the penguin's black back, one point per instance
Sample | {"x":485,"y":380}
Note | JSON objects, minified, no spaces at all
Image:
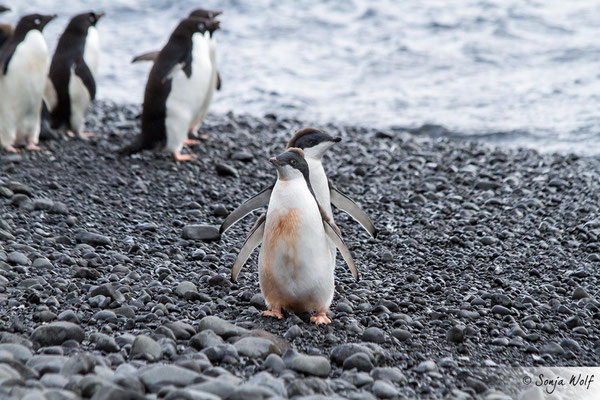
{"x":68,"y":55}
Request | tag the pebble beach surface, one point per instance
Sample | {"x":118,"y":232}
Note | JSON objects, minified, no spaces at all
{"x":114,"y":283}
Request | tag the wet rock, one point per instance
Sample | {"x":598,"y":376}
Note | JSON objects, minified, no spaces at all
{"x":384,"y":390}
{"x":93,"y":239}
{"x":184,"y":287}
{"x":359,"y":361}
{"x":224,"y":169}
{"x":310,"y":365}
{"x":374,"y":335}
{"x":579,"y":293}
{"x":221,"y":327}
{"x":109,"y":291}
{"x":254,"y":347}
{"x":267,"y":380}
{"x":17,"y":258}
{"x":427,"y":366}
{"x":156,"y":377}
{"x":456,"y":334}
{"x":204,"y":339}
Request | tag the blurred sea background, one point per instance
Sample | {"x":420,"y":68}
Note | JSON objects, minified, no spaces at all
{"x":509,"y":72}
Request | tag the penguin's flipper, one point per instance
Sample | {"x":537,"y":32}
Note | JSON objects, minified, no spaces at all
{"x":150,"y":56}
{"x":84,"y":73}
{"x":346,"y":204}
{"x":332,"y":232}
{"x":218,"y":81}
{"x":252,"y":241}
{"x":257,"y":201}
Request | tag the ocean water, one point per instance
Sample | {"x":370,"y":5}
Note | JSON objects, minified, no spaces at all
{"x":511,"y":72}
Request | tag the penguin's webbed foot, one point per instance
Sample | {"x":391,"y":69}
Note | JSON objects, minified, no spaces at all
{"x":33,"y":146}
{"x":183,"y":157}
{"x":273,"y":313}
{"x":85,"y":135}
{"x":11,"y":149}
{"x":320,"y":318}
{"x":70,"y":133}
{"x":190,"y":142}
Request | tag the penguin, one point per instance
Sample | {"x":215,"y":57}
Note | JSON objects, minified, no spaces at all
{"x":177,"y":86}
{"x":71,"y":86}
{"x":23,"y":66}
{"x":5,"y":29}
{"x":314,"y":143}
{"x":151,"y":56}
{"x":296,"y":271}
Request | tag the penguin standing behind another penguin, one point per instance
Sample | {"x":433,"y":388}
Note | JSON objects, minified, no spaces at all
{"x":179,"y":82}
{"x":296,"y":269}
{"x":71,"y":86}
{"x":23,"y":66}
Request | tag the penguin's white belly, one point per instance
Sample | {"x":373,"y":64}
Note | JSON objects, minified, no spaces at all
{"x":320,"y":184}
{"x":80,"y":101}
{"x":203,"y":110}
{"x":21,"y":91}
{"x":186,"y":97}
{"x":295,"y":265}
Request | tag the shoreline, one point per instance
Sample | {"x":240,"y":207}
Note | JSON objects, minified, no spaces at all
{"x":486,"y":259}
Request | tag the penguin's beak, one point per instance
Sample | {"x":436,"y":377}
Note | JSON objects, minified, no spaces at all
{"x":99,"y":15}
{"x":275,"y":161}
{"x":216,"y":13}
{"x":4,"y":8}
{"x":46,"y":19}
{"x":336,"y":139}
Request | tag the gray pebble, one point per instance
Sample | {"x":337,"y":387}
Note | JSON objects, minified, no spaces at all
{"x":146,"y":348}
{"x":201,"y":232}
{"x":57,"y":333}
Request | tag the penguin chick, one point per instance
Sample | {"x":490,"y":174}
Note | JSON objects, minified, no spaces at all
{"x":315,"y":144}
{"x":71,"y":86}
{"x":23,"y":65}
{"x":296,"y":270}
{"x":178,"y":85}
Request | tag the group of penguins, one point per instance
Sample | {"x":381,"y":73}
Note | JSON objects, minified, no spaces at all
{"x":299,"y":237}
{"x":178,"y":92}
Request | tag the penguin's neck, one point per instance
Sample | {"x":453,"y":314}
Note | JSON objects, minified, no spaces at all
{"x":320,"y":184}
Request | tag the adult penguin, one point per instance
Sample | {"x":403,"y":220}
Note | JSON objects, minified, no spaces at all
{"x":72,"y":79}
{"x":177,"y":86}
{"x":23,"y":66}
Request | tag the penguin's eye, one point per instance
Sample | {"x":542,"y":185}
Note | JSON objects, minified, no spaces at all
{"x":293,"y":163}
{"x":91,"y":18}
{"x":312,"y":143}
{"x":37,"y":21}
{"x":201,"y":26}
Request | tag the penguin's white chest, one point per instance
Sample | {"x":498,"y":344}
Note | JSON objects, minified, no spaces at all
{"x":295,"y":265}
{"x":22,"y":88}
{"x":91,"y":51}
{"x":320,"y":184}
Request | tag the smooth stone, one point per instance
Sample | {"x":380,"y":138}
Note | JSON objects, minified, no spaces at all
{"x":185,"y":287}
{"x":391,"y":374}
{"x":93,"y":239}
{"x":146,"y":348}
{"x":224,"y":169}
{"x":19,"y":352}
{"x":579,"y":293}
{"x":274,"y":363}
{"x":46,"y":363}
{"x":374,"y":335}
{"x":426,"y":366}
{"x":500,"y":310}
{"x":181,"y":330}
{"x":221,"y":327}
{"x":107,"y":290}
{"x":80,"y":364}
{"x":156,"y":377}
{"x":359,"y":361}
{"x":456,"y":334}
{"x":310,"y":365}
{"x":42,"y":262}
{"x":204,"y":339}
{"x":401,"y":334}
{"x":552,"y":348}
{"x":201,"y":232}
{"x":56,"y":333}
{"x":106,"y":343}
{"x":18,"y":258}
{"x":384,"y":390}
{"x":190,"y":394}
{"x":255,"y":347}
{"x":267,"y":380}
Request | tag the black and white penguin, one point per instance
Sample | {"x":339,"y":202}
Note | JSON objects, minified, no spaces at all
{"x":5,"y":29}
{"x":23,"y":67}
{"x":179,"y":81}
{"x":198,"y":13}
{"x":71,"y":86}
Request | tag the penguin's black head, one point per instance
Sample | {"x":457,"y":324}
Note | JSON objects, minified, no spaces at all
{"x":291,"y":165}
{"x":189,"y":26}
{"x":207,"y":14}
{"x":33,"y":21}
{"x":313,"y":141}
{"x":80,"y":23}
{"x":3,"y":8}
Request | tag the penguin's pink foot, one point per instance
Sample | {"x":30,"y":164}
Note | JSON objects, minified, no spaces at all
{"x":87,"y":134}
{"x":273,"y":313}
{"x":183,"y":157}
{"x":70,"y":133}
{"x":320,"y":318}
{"x":11,"y":149}
{"x":33,"y":146}
{"x":193,"y":132}
{"x":206,"y":136}
{"x":190,"y":142}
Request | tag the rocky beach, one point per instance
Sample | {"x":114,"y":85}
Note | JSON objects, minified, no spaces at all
{"x":114,"y":283}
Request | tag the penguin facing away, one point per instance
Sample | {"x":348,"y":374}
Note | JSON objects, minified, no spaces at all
{"x":178,"y":83}
{"x":71,"y":86}
{"x":296,"y":270}
{"x":5,"y":29}
{"x":23,"y":66}
{"x":314,"y":143}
